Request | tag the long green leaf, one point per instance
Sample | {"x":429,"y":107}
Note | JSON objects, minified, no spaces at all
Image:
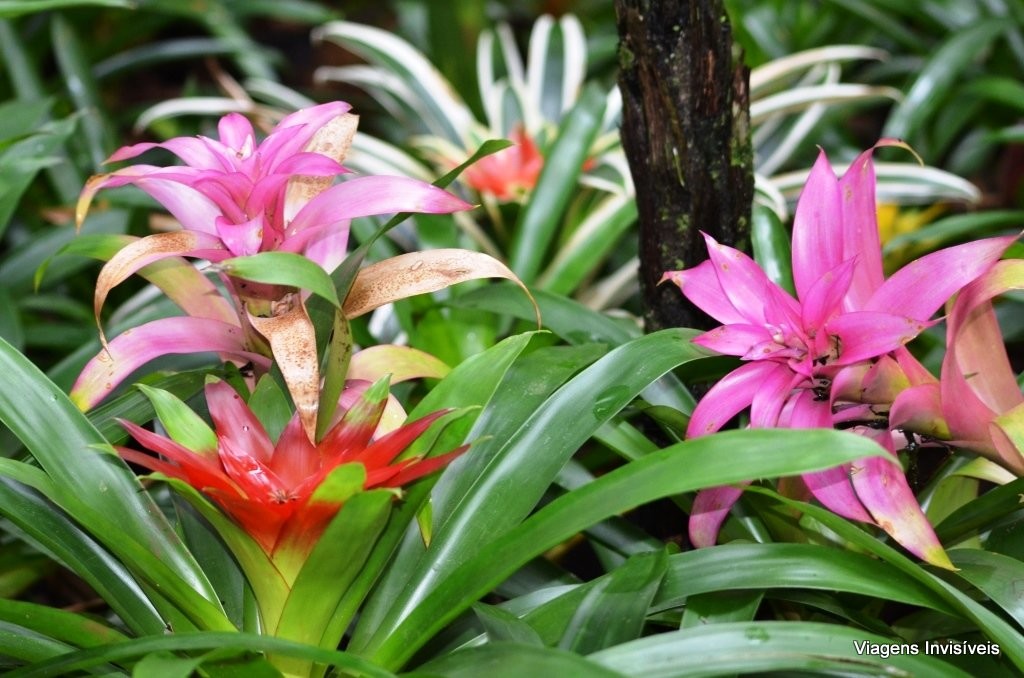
{"x":516,"y":476}
{"x":472,"y":383}
{"x":1009,"y":639}
{"x":722,"y":459}
{"x":752,"y":647}
{"x":613,"y":611}
{"x":539,"y":220}
{"x":58,"y":624}
{"x":934,"y":82}
{"x":525,"y":387}
{"x":732,"y":567}
{"x":13,"y":8}
{"x":512,"y":660}
{"x":94,"y":487}
{"x":999,"y":577}
{"x":53,"y":533}
{"x":190,"y":642}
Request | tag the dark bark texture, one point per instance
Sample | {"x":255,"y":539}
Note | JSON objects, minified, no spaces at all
{"x":686,"y":133}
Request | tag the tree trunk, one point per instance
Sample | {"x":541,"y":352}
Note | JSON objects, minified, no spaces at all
{"x":686,"y":133}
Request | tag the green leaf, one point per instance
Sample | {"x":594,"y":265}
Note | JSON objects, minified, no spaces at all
{"x":183,"y":425}
{"x":541,"y":216}
{"x":137,"y":408}
{"x":613,"y":611}
{"x":472,"y":383}
{"x":567,"y":318}
{"x":997,"y":576}
{"x":93,"y":486}
{"x":81,"y":85}
{"x":1009,"y":639}
{"x":980,"y":514}
{"x":493,"y":499}
{"x":934,"y":83}
{"x":58,"y":624}
{"x":512,"y":660}
{"x":757,"y":567}
{"x":191,"y":642}
{"x":13,"y":8}
{"x":721,"y":607}
{"x":590,"y":244}
{"x":500,"y":625}
{"x":755,"y":647}
{"x":327,"y":574}
{"x":50,"y":530}
{"x":283,"y":268}
{"x":770,"y":240}
{"x":269,"y":404}
{"x":710,"y":461}
{"x":336,"y":363}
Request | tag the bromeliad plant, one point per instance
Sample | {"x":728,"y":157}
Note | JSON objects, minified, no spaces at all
{"x":833,"y":356}
{"x":268,"y":217}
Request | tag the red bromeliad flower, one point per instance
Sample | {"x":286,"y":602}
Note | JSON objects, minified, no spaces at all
{"x":276,"y":492}
{"x":846,"y":316}
{"x":510,"y":173}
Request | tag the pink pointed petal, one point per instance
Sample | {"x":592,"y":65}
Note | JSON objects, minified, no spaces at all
{"x":171,"y":187}
{"x":884,"y":381}
{"x":734,"y":339}
{"x":825,"y":296}
{"x":771,"y":395}
{"x":732,"y":394}
{"x":186,"y":204}
{"x":817,"y":232}
{"x":832,"y":486}
{"x":135,"y":347}
{"x":710,"y":509}
{"x":868,"y":334}
{"x":241,"y":239}
{"x":741,"y":279}
{"x":330,"y":246}
{"x":366,"y":196}
{"x":883,"y":489}
{"x":234,"y":421}
{"x":860,"y":230}
{"x":919,"y":409}
{"x":236,"y":132}
{"x":769,"y":350}
{"x":310,"y":165}
{"x":916,"y":372}
{"x":700,"y":285}
{"x":920,"y":288}
{"x":295,"y":131}
{"x":974,"y":335}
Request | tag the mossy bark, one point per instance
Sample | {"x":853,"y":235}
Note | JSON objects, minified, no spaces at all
{"x":686,"y":133}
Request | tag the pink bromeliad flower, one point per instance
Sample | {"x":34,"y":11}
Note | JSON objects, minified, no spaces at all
{"x":236,"y":197}
{"x":845,"y":316}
